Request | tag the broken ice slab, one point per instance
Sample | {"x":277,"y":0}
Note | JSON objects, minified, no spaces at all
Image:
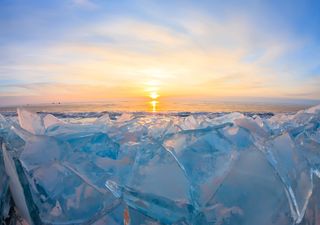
{"x":161,"y":127}
{"x":40,"y":150}
{"x":8,"y":136}
{"x":125,"y":117}
{"x":252,"y":193}
{"x":205,"y":157}
{"x":189,"y":123}
{"x":93,"y":155}
{"x":5,"y":197}
{"x":285,"y":122}
{"x":4,"y":179}
{"x":50,"y":120}
{"x":157,"y":186}
{"x":312,"y":212}
{"x":3,"y":122}
{"x":67,"y":197}
{"x":310,"y":150}
{"x":104,"y":119}
{"x":48,"y":124}
{"x":229,"y":117}
{"x":31,"y":122}
{"x":53,"y":193}
{"x":293,"y":170}
{"x":16,"y":188}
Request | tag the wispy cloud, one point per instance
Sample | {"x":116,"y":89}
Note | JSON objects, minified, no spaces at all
{"x":88,"y":4}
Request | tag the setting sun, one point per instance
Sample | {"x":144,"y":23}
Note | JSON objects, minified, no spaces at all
{"x":154,"y":95}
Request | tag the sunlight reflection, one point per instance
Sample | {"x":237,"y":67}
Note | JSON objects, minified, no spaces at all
{"x":154,"y":105}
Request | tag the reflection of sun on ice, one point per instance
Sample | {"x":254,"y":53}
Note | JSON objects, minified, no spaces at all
{"x":152,"y":89}
{"x":154,"y":95}
{"x":154,"y":105}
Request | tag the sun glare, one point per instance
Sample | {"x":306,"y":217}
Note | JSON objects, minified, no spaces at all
{"x":152,"y":89}
{"x":154,"y":95}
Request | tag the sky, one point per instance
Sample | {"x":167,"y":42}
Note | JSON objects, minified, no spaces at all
{"x":90,"y":50}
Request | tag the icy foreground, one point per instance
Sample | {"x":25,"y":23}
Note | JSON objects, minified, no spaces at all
{"x":162,"y":169}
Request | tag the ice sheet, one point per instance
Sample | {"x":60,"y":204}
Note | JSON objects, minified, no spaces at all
{"x":163,"y":168}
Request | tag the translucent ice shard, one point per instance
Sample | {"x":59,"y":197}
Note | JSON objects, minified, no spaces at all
{"x":93,"y":155}
{"x":16,"y":188}
{"x":189,"y":123}
{"x":255,"y":127}
{"x":3,"y":122}
{"x":63,"y":178}
{"x":252,"y":193}
{"x":229,"y":117}
{"x":312,"y":212}
{"x":50,"y":120}
{"x":31,"y":122}
{"x":61,"y":194}
{"x":64,"y":196}
{"x":293,"y":170}
{"x":125,"y":117}
{"x":105,"y":119}
{"x":238,"y":136}
{"x":40,"y":150}
{"x":157,"y":186}
{"x":206,"y":157}
{"x":4,"y":187}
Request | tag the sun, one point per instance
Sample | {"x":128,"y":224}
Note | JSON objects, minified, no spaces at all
{"x":154,"y":95}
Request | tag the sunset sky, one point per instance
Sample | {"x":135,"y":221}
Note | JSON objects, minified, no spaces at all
{"x":88,"y":50}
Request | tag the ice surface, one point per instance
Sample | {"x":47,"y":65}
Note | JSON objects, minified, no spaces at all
{"x":162,"y":168}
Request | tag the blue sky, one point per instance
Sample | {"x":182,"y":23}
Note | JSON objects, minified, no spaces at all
{"x":80,"y":50}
